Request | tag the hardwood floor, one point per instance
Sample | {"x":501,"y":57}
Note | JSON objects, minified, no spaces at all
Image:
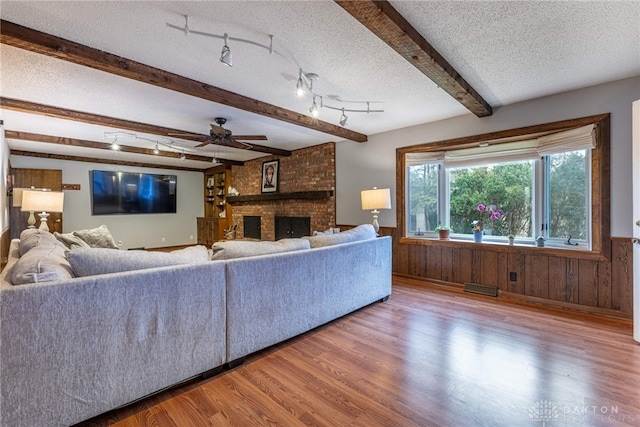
{"x":426,"y":357}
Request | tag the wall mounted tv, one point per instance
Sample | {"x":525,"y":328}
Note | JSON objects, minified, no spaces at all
{"x":115,"y":193}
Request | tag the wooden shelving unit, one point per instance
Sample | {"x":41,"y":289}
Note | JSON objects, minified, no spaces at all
{"x":217,"y":212}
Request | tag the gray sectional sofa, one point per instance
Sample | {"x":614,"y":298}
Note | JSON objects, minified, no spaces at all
{"x":73,"y":348}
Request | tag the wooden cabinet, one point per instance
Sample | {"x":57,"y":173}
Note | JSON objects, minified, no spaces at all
{"x":207,"y":231}
{"x":217,"y":212}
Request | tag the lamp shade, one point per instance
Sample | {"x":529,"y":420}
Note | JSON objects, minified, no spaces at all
{"x":42,"y":201}
{"x":17,"y":197}
{"x":376,"y":199}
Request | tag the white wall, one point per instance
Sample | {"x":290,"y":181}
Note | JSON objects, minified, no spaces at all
{"x":133,"y":230}
{"x":360,"y":166}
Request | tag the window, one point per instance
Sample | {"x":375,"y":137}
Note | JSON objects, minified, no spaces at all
{"x":541,"y":183}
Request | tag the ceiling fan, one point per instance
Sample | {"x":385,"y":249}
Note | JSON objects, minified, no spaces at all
{"x":220,"y":136}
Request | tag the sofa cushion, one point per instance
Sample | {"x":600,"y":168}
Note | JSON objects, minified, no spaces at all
{"x":245,"y":248}
{"x":95,"y":261}
{"x":43,"y":263}
{"x":99,"y":237}
{"x":32,"y":237}
{"x":70,"y":241}
{"x":361,"y":232}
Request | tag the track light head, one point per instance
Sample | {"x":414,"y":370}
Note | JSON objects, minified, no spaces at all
{"x":300,"y":87}
{"x":225,"y":56}
{"x":343,"y":118}
{"x":183,"y":156}
{"x":156,"y":150}
{"x":314,"y":108}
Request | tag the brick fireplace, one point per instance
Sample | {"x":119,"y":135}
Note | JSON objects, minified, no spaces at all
{"x":306,"y":170}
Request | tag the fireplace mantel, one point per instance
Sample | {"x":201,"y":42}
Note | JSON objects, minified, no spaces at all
{"x":300,"y":195}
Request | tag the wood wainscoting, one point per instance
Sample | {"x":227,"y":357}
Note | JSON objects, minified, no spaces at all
{"x":553,"y":276}
{"x":5,"y":241}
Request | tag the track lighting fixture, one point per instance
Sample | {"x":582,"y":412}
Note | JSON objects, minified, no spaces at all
{"x":343,"y":118}
{"x":156,"y":150}
{"x":183,"y":156}
{"x":304,"y":82}
{"x":114,"y":144}
{"x":225,"y":56}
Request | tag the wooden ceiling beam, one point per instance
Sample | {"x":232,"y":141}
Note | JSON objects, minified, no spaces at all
{"x":36,"y":41}
{"x":95,"y":119}
{"x":35,"y":137}
{"x":59,"y":140}
{"x":392,"y":28}
{"x":98,"y":160}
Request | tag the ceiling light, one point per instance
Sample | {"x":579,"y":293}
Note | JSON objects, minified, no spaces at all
{"x":114,"y":144}
{"x":343,"y":118}
{"x":156,"y":150}
{"x":225,"y":56}
{"x":314,"y":108}
{"x":300,"y":85}
{"x":183,"y":157}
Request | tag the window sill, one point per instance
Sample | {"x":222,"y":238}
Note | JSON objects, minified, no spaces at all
{"x":494,"y":246}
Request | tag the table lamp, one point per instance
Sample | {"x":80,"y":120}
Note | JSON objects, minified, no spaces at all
{"x":42,"y":201}
{"x":375,"y":199}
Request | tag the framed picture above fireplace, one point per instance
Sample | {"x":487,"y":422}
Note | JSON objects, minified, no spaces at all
{"x":270,"y":171}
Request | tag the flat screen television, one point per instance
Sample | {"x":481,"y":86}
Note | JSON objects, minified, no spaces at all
{"x":114,"y":193}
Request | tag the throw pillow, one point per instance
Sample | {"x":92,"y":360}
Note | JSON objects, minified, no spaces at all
{"x":43,"y":263}
{"x":70,"y":241}
{"x":95,"y":261}
{"x":324,"y":233}
{"x":244,"y":248}
{"x":32,"y":237}
{"x":361,"y":232}
{"x":97,"y":237}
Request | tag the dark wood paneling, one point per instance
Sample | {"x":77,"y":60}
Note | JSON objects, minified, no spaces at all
{"x":38,"y":178}
{"x":557,"y":279}
{"x":541,"y":273}
{"x":5,"y":241}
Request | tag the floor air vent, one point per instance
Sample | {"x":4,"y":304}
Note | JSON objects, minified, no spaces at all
{"x":492,"y":291}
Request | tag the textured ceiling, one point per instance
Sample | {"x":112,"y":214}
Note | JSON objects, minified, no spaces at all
{"x":507,"y":51}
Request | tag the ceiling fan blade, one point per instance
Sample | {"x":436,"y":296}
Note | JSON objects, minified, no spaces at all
{"x":251,"y":137}
{"x":190,"y":136}
{"x":203,"y":144}
{"x":217,"y":130}
{"x":239,"y":144}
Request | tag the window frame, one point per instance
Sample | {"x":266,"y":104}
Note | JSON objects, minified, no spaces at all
{"x":599,"y":175}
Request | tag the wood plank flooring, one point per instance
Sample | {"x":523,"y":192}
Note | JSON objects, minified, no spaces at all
{"x":426,"y":357}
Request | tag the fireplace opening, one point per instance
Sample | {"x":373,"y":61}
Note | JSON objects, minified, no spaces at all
{"x":289,"y":227}
{"x":251,"y":226}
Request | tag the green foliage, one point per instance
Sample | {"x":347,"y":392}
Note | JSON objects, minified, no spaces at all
{"x":567,"y":209}
{"x":510,"y":188}
{"x":507,"y":186}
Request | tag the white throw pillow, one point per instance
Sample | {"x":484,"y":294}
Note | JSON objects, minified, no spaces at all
{"x":361,"y":232}
{"x":99,"y":237}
